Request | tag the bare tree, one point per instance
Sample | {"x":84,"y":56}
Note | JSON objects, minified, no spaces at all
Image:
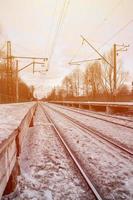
{"x":68,"y":85}
{"x":77,"y":81}
{"x":108,"y":75}
{"x":93,"y":79}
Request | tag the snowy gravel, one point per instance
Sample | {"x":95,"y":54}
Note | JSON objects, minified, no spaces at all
{"x":11,"y":116}
{"x":110,"y":170}
{"x":123,"y":120}
{"x":47,"y":171}
{"x":121,"y":134}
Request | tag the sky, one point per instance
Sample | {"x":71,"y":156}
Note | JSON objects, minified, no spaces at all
{"x":35,"y":28}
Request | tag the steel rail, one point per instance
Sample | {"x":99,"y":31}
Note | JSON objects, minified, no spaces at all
{"x":75,"y":160}
{"x":96,"y":117}
{"x":93,"y":131}
{"x":114,"y":117}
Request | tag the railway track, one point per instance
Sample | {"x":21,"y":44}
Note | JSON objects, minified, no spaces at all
{"x":95,"y":133}
{"x":96,"y":115}
{"x":81,"y":169}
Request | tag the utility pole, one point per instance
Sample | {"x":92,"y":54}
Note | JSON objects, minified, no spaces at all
{"x":9,"y":53}
{"x":9,"y":69}
{"x":17,"y":89}
{"x":33,"y":66}
{"x":114,"y":66}
{"x":116,"y":50}
{"x":115,"y":86}
{"x":132,"y":88}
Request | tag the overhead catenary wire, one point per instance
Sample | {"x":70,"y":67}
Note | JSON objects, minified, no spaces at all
{"x":59,"y":25}
{"x":111,"y":12}
{"x":51,"y":28}
{"x":105,"y":19}
{"x":117,"y":32}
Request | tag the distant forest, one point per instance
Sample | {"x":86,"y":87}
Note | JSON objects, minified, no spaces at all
{"x":8,"y":89}
{"x":95,"y":83}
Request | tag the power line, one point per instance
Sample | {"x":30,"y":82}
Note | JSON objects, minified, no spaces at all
{"x":105,"y":19}
{"x":59,"y":25}
{"x":108,"y":15}
{"x":52,"y":23}
{"x":112,"y":10}
{"x":116,"y":33}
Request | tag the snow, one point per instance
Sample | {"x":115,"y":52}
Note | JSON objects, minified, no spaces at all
{"x":47,"y":173}
{"x":11,"y":116}
{"x":120,"y":134}
{"x":123,"y":120}
{"x":110,"y":169}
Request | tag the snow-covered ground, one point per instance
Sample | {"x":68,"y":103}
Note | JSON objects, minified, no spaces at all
{"x":123,"y":120}
{"x":11,"y":116}
{"x":111,"y":171}
{"x":47,"y":171}
{"x":120,"y":134}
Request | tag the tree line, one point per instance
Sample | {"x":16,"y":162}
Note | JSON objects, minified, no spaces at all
{"x":95,"y":83}
{"x":8,"y":89}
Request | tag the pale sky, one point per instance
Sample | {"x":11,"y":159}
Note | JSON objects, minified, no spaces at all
{"x":31,"y":25}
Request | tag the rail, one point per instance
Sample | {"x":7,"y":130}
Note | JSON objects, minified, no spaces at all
{"x":10,"y":150}
{"x":96,"y":133}
{"x":117,"y":120}
{"x":72,"y":155}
